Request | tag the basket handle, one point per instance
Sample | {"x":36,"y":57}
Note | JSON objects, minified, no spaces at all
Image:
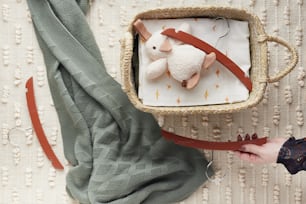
{"x":294,"y":58}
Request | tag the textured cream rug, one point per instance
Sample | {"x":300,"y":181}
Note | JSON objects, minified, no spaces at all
{"x":27,"y":177}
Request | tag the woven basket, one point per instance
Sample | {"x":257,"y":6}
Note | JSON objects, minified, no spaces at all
{"x":259,"y":73}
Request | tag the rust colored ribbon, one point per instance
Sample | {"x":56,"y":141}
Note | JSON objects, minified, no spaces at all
{"x":202,"y":144}
{"x":200,"y":44}
{"x":32,"y":108}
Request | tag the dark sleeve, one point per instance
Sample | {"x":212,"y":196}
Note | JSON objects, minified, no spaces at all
{"x":293,"y":155}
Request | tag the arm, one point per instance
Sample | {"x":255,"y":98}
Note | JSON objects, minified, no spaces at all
{"x":289,"y":152}
{"x":293,"y":155}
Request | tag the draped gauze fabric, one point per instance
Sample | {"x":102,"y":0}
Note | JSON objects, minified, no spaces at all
{"x":116,"y":152}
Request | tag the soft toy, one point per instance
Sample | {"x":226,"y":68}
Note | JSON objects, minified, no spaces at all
{"x":183,"y":61}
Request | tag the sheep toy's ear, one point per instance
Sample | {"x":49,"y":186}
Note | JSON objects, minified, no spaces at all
{"x":142,"y":30}
{"x":209,"y":60}
{"x":185,"y":27}
{"x":166,"y":46}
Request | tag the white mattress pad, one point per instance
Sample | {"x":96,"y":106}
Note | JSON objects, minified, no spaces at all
{"x":217,"y":85}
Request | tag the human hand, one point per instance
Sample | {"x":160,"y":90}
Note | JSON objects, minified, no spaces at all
{"x":266,"y":153}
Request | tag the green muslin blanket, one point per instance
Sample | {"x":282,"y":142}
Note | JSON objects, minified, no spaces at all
{"x":116,"y":152}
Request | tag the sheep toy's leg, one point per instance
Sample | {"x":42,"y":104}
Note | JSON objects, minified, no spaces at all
{"x":156,"y":68}
{"x":192,"y":82}
{"x":209,"y":60}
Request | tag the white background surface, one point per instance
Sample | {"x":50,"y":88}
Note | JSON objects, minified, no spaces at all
{"x":26,"y":175}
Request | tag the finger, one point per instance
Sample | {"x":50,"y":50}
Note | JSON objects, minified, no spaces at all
{"x":249,"y":157}
{"x":252,"y":148}
{"x":242,"y":155}
{"x":237,"y":153}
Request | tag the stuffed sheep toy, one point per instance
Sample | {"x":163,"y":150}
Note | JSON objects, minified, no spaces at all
{"x":183,"y":61}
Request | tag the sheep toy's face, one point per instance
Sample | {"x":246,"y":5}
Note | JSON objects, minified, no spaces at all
{"x":153,"y":45}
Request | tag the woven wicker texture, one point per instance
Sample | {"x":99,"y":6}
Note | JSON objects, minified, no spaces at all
{"x":27,"y":177}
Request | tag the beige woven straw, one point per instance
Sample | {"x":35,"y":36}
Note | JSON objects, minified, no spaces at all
{"x":259,"y":73}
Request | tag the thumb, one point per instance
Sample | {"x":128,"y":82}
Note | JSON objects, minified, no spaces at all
{"x":252,"y":148}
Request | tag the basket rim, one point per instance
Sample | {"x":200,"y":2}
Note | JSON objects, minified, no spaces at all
{"x":259,"y":77}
